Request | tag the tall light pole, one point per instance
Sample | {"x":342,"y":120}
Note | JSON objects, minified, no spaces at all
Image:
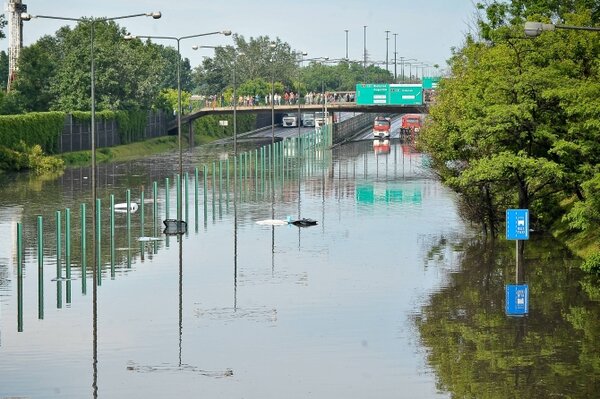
{"x":179,"y":109}
{"x":365,"y":50}
{"x":273,"y":46}
{"x":395,"y":55}
{"x":346,"y":30}
{"x":95,"y":249}
{"x":387,"y":40}
{"x":92,"y":21}
{"x":534,"y":29}
{"x":235,"y":98}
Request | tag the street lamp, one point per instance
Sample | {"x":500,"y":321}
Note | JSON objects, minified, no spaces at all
{"x":178,"y":40}
{"x":27,"y":17}
{"x":235,"y":98}
{"x":346,"y":30}
{"x":273,"y":46}
{"x":534,"y":29}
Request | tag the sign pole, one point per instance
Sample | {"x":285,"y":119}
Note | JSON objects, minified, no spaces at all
{"x":517,"y":295}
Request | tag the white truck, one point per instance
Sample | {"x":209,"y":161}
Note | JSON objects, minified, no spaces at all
{"x":308,"y":119}
{"x":289,"y":120}
{"x":321,"y":118}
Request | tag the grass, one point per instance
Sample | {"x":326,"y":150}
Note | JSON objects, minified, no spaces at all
{"x":122,"y":152}
{"x":582,"y":243}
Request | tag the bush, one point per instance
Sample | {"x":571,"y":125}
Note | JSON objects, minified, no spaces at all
{"x":592,"y":264}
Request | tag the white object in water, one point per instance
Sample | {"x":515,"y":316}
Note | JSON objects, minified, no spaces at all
{"x":146,"y":239}
{"x":272,"y":222}
{"x":122,"y":207}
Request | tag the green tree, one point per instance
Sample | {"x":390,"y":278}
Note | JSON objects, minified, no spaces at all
{"x":37,"y":69}
{"x":517,"y":122}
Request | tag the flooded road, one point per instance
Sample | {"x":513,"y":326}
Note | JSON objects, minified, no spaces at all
{"x":389,"y":295}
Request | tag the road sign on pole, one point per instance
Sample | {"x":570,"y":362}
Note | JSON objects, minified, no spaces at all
{"x":517,"y":300}
{"x":517,"y":224}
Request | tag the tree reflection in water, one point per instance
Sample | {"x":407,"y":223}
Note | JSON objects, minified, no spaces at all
{"x":479,"y":352}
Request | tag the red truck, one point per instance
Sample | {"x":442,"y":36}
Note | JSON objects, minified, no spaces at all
{"x":410,"y":124}
{"x":381,"y":127}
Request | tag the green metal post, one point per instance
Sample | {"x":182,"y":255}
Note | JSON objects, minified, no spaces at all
{"x":19,"y":277}
{"x":186,"y":192}
{"x":68,"y":252}
{"x":83,"y":252}
{"x":112,"y":236}
{"x":205,"y":193}
{"x":58,"y":260}
{"x":166,"y":197}
{"x":40,"y":254}
{"x":196,"y":182}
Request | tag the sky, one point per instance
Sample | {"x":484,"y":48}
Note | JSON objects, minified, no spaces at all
{"x":426,"y":29}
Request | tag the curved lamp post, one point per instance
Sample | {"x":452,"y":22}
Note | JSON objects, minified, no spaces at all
{"x":28,"y":17}
{"x":534,"y":29}
{"x":273,"y":46}
{"x":178,"y":40}
{"x":234,"y":102}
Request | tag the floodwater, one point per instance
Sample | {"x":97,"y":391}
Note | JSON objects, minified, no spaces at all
{"x":389,"y":295}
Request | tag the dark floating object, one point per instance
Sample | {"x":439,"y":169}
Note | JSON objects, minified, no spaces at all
{"x":174,"y":226}
{"x":304,"y":222}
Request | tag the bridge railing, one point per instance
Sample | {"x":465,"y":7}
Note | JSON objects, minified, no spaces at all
{"x":310,"y":98}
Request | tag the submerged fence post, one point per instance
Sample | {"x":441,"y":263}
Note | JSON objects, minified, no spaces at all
{"x":40,"y":255}
{"x":58,"y":260}
{"x":19,"y":278}
{"x":68,"y":252}
{"x":112,"y":236}
{"x":83,"y":252}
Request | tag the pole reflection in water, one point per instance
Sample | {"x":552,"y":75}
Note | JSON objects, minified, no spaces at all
{"x":180,"y":238}
{"x":95,"y":337}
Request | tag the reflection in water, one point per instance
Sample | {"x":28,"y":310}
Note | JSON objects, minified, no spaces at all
{"x":341,"y":302}
{"x":477,"y":351}
{"x":131,"y":366}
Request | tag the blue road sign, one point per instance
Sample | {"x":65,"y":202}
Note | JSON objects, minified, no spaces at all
{"x":517,"y":224}
{"x":517,"y":300}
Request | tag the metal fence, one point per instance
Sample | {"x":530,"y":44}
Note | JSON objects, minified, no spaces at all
{"x":76,"y":135}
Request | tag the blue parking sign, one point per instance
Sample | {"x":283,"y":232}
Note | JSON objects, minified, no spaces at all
{"x":517,"y":300}
{"x":517,"y":224}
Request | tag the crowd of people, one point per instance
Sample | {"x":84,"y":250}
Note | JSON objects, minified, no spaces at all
{"x":287,"y":98}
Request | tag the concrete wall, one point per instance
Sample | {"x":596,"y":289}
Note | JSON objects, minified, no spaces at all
{"x":345,"y":130}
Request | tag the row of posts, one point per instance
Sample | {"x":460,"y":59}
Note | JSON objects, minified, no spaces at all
{"x":273,"y":162}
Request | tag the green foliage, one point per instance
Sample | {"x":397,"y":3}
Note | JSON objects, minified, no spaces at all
{"x":131,"y":125}
{"x":207,"y":128}
{"x":592,"y":264}
{"x":518,"y":122}
{"x":33,"y":128}
{"x":169,"y":97}
{"x":24,"y":157}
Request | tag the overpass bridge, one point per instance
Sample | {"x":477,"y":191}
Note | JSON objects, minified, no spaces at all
{"x":331,"y":107}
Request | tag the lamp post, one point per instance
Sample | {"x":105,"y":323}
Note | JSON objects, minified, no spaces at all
{"x":534,"y":29}
{"x":235,"y":98}
{"x":178,"y":40}
{"x":365,"y":50}
{"x":346,"y":30}
{"x":92,"y":21}
{"x":302,"y":55}
{"x":273,"y":46}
